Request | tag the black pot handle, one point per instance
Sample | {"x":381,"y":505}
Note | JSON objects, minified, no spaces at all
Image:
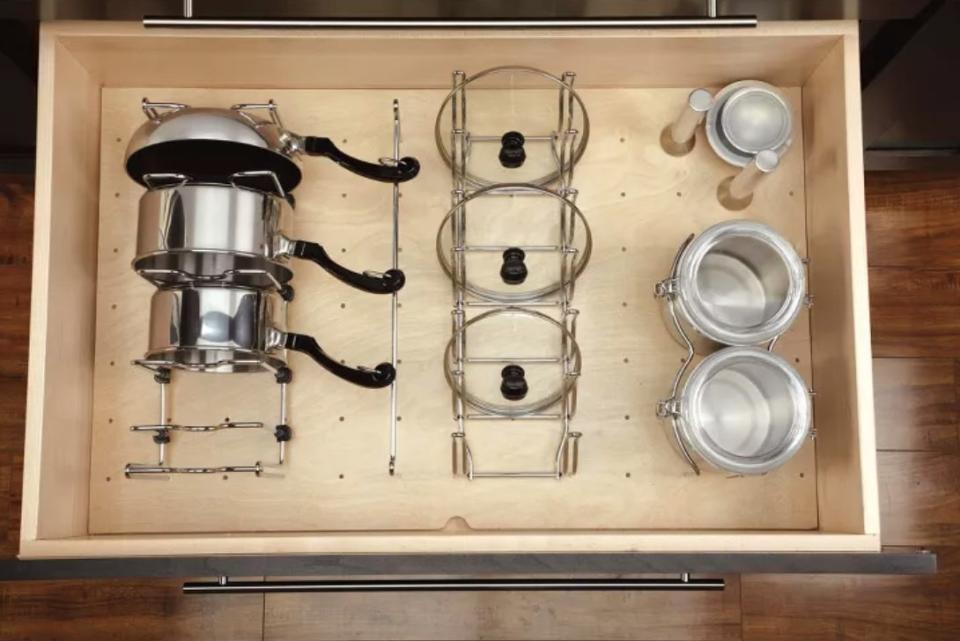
{"x":403,"y":171}
{"x":390,"y":281}
{"x":381,"y":376}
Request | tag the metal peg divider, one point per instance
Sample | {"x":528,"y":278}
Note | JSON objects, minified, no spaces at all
{"x":394,"y":301}
{"x":736,"y":192}
{"x":679,"y":137}
{"x":563,"y":149}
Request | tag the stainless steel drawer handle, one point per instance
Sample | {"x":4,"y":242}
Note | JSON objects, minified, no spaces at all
{"x":224,"y":586}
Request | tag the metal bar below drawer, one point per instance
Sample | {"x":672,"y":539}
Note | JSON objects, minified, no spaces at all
{"x":225,"y":586}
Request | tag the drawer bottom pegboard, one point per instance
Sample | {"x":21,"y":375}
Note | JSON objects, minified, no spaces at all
{"x":641,"y":204}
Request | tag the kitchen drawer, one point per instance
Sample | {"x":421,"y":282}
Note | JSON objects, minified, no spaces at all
{"x":334,"y":496}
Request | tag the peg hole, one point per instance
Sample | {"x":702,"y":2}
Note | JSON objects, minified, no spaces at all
{"x":116,"y":194}
{"x":801,"y":474}
{"x":341,"y":419}
{"x":626,"y":360}
{"x":225,"y":477}
{"x":344,"y":195}
{"x":108,"y":479}
{"x":109,"y":420}
{"x":679,"y":194}
{"x":626,"y":417}
{"x":111,"y":363}
{"x":343,"y":305}
{"x":623,"y":140}
{"x":119,"y":139}
{"x":340,"y":475}
{"x":623,"y":194}
{"x":627,"y":475}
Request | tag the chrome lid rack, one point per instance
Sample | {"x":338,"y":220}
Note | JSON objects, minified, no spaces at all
{"x":491,"y":172}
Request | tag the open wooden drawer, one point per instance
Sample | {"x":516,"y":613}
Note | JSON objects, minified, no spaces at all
{"x":633,"y":494}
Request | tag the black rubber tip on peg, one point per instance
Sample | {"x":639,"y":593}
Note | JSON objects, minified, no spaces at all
{"x":514,"y":385}
{"x":283,"y":433}
{"x":512,"y":154}
{"x":513,"y":271}
{"x":162,"y":376}
{"x":161,"y":437}
{"x":287,"y":293}
{"x":284,"y":375}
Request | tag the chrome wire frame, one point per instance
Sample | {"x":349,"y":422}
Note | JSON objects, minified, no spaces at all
{"x":163,"y":375}
{"x":561,"y":406}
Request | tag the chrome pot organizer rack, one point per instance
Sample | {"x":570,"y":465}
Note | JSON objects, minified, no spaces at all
{"x":269,"y":354}
{"x":549,"y":306}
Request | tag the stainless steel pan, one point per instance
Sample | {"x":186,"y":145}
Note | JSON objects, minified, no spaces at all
{"x":234,"y":330}
{"x":210,"y":144}
{"x":191,"y":233}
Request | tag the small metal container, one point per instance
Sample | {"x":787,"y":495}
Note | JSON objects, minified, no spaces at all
{"x":737,"y":283}
{"x":748,"y":117}
{"x":743,"y":410}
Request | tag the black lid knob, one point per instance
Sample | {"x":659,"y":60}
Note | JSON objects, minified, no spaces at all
{"x":514,"y":385}
{"x":283,"y":433}
{"x":513,"y":271}
{"x":512,"y":154}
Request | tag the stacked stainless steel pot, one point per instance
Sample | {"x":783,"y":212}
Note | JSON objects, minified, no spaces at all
{"x":213,"y":236}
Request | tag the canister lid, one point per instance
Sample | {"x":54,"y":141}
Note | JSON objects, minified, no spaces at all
{"x":755,"y":119}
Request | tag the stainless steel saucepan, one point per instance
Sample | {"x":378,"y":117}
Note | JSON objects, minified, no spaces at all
{"x":235,"y":329}
{"x":190,"y":233}
{"x":211,"y":144}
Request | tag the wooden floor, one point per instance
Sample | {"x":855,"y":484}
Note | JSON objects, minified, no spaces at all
{"x":914,"y":237}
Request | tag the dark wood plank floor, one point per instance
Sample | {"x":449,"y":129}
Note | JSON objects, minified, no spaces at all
{"x":914,"y":237}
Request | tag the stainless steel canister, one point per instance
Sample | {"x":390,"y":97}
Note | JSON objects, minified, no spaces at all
{"x":737,"y":283}
{"x":744,"y":410}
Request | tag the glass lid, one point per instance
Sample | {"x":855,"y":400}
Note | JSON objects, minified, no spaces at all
{"x":512,"y":124}
{"x":513,"y":362}
{"x":514,"y":243}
